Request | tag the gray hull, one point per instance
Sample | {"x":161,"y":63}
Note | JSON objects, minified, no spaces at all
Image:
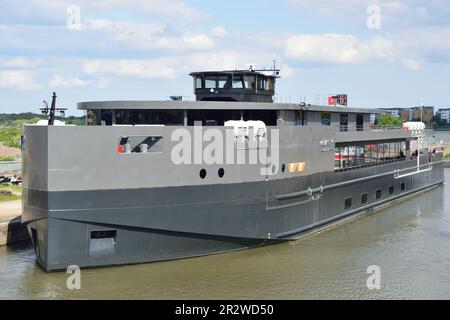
{"x":156,"y":224}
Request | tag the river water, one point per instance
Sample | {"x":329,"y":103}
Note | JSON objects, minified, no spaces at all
{"x":409,"y":242}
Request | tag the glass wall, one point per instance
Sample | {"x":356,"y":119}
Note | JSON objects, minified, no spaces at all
{"x":150,"y":117}
{"x":347,"y":157}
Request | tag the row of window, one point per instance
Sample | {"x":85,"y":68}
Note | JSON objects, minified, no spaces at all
{"x":348,"y":203}
{"x":176,"y":117}
{"x":347,"y":157}
{"x":209,"y":117}
{"x":234,"y":82}
{"x":325,"y":120}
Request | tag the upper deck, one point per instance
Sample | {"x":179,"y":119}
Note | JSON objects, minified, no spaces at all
{"x":216,"y":105}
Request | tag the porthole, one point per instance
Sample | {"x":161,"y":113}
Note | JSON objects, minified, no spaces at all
{"x":221,"y":172}
{"x":203,"y":173}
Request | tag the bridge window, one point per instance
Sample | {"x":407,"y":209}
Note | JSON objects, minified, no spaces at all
{"x":223,"y":82}
{"x":198,"y":83}
{"x":270,"y":84}
{"x":238,"y":82}
{"x":250,"y":82}
{"x":261,"y":83}
{"x":210,"y":83}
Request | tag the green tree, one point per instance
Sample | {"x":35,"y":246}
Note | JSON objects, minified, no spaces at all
{"x":390,"y":120}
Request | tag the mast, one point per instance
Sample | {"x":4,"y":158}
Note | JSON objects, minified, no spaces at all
{"x":51,"y":116}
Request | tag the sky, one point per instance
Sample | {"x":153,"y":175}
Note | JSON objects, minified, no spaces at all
{"x":382,"y":53}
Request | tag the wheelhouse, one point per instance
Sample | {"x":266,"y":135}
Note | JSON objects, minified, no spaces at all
{"x":234,"y":86}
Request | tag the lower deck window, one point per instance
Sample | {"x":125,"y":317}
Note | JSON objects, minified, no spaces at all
{"x":348,"y":203}
{"x":403,"y":187}
{"x":378,"y":194}
{"x":364,"y":198}
{"x":391,"y":190}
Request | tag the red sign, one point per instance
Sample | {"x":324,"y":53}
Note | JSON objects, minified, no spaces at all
{"x":340,"y":99}
{"x":331,"y":101}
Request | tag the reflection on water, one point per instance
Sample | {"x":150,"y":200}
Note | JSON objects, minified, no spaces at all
{"x":409,"y":241}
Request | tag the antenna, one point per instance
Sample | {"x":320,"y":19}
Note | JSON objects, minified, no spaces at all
{"x":51,"y":111}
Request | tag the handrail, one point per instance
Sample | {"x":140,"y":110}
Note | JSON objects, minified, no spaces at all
{"x":344,"y":183}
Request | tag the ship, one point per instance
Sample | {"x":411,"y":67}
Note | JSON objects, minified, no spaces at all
{"x":149,"y":181}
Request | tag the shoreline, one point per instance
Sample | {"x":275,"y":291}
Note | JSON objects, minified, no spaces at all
{"x":11,"y":228}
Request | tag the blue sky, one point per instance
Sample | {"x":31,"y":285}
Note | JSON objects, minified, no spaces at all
{"x":145,"y":49}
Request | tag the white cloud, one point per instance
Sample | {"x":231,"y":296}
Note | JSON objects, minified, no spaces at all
{"x":18,"y":80}
{"x":142,"y":69}
{"x":198,"y":41}
{"x":69,"y":82}
{"x":148,"y":36}
{"x":286,"y":71}
{"x":411,"y":64}
{"x":20,"y":62}
{"x":219,"y":32}
{"x":54,"y":11}
{"x":337,"y":48}
{"x":393,"y":12}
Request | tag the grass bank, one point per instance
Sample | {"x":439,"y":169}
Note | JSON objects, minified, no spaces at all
{"x":16,"y":192}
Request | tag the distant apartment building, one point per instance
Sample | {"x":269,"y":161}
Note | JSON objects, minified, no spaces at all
{"x":425,"y":113}
{"x":444,"y":115}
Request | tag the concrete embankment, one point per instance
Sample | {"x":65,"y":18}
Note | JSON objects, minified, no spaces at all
{"x":10,"y":167}
{"x":11,"y":228}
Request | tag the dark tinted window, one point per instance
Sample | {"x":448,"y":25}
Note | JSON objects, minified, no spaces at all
{"x":391,"y":190}
{"x":364,"y":198}
{"x":212,"y":117}
{"x":378,"y":194}
{"x":150,"y":117}
{"x":348,"y":203}
{"x":269,"y":117}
